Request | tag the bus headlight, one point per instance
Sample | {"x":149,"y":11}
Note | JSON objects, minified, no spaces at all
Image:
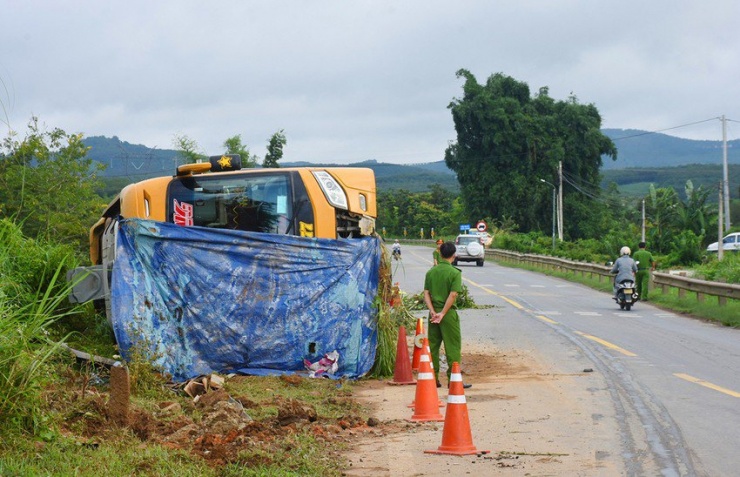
{"x":332,"y":190}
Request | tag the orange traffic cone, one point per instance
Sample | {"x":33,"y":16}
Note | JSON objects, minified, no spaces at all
{"x":402,"y":371}
{"x":425,"y":349}
{"x":417,"y":344}
{"x":456,"y":436}
{"x":426,"y":404}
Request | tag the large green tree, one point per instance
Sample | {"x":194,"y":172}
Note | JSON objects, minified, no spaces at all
{"x":47,"y":184}
{"x":275,"y":150}
{"x":234,"y":145}
{"x":508,"y":140}
{"x":187,"y":148}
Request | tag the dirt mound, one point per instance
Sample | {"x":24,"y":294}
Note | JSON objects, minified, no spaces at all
{"x":215,"y":426}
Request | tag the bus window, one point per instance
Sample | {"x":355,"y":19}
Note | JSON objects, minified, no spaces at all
{"x":251,"y":202}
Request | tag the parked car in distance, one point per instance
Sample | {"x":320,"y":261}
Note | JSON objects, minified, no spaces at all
{"x":731,"y":242}
{"x":469,"y":249}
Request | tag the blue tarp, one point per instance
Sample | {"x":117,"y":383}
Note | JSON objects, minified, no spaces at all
{"x":199,"y":300}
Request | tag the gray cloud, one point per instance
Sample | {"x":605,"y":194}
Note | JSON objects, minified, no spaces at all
{"x":349,"y":81}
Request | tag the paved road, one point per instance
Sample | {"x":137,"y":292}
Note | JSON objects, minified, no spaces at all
{"x":674,"y":381}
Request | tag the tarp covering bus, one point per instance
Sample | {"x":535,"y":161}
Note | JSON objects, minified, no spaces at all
{"x":199,"y":300}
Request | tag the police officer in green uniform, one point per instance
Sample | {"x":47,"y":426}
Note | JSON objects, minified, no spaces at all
{"x":442,"y":284}
{"x":436,"y":257}
{"x":645,"y":265}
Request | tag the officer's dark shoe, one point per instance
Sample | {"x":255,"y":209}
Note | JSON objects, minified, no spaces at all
{"x":439,"y":385}
{"x":467,"y":386}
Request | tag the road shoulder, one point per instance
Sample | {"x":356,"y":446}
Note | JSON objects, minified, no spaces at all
{"x":533,"y":417}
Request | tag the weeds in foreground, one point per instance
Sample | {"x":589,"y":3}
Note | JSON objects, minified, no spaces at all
{"x":25,"y":350}
{"x":272,"y":443}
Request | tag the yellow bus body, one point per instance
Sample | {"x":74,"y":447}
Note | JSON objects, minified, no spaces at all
{"x":148,"y":199}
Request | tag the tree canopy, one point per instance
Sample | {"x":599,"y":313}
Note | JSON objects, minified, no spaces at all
{"x":234,"y":145}
{"x":187,"y":148}
{"x":47,"y":184}
{"x":508,"y":140}
{"x":275,"y":150}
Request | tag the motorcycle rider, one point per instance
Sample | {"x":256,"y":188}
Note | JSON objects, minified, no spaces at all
{"x":396,"y":250}
{"x":624,"y":268}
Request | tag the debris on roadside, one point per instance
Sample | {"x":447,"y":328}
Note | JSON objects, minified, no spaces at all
{"x":324,"y":367}
{"x":202,"y":384}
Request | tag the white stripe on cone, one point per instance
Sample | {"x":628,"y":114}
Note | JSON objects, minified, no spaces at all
{"x":456,"y":399}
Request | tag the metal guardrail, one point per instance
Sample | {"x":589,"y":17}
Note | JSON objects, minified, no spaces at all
{"x":702,"y":288}
{"x":722,"y":291}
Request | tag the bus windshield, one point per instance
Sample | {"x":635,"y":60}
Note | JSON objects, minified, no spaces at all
{"x":250,"y":202}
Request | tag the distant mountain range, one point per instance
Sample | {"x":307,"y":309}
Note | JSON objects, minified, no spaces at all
{"x":134,"y":162}
{"x":644,"y":149}
{"x":649,"y":152}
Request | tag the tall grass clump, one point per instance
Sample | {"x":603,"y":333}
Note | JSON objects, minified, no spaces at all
{"x":32,"y":298}
{"x":25,"y":350}
{"x":385,"y":355}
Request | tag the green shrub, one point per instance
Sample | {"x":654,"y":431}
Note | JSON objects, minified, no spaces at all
{"x":533,"y":242}
{"x":26,"y":265}
{"x":727,"y":270}
{"x":685,"y":250}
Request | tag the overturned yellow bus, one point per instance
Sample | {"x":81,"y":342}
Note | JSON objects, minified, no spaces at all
{"x":323,"y":202}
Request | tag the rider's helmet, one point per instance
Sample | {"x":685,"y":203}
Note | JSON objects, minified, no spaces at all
{"x":625,"y":251}
{"x":396,"y":241}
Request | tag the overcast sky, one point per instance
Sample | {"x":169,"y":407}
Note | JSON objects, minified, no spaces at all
{"x":356,"y":80}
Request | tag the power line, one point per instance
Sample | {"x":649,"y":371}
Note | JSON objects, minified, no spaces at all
{"x":666,"y":129}
{"x":593,"y":193}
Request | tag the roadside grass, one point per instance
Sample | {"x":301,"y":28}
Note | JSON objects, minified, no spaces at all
{"x":122,"y":455}
{"x":54,"y":416}
{"x":81,"y":440}
{"x":330,"y":398}
{"x":709,"y":309}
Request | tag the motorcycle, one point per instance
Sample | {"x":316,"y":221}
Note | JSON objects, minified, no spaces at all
{"x":626,"y":294}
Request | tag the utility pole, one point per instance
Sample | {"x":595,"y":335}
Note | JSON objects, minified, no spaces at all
{"x":554,"y":219}
{"x":560,"y":201}
{"x":643,"y":220}
{"x":726,"y":182}
{"x":720,"y":245}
